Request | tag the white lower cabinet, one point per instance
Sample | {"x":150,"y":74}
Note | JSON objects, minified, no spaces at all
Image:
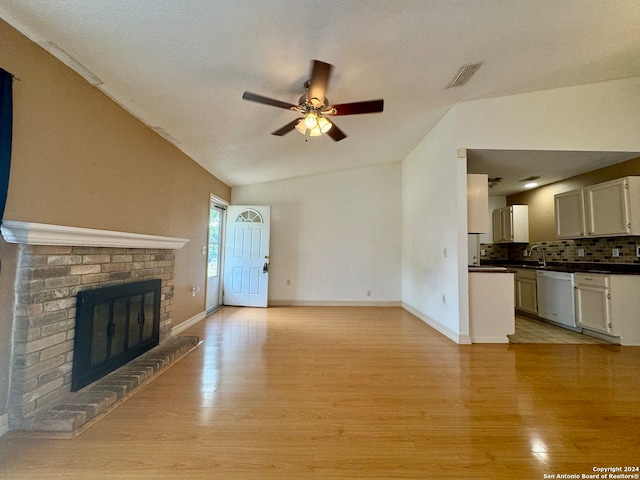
{"x":609,"y":304}
{"x":526,"y":295}
{"x":593,"y":303}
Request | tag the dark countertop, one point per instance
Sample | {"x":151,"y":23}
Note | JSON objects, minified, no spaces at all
{"x":488,"y":269}
{"x":577,"y":267}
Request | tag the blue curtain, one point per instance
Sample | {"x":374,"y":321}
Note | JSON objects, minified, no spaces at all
{"x":6,"y":126}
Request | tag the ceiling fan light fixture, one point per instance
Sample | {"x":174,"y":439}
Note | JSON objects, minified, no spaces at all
{"x":311,"y":120}
{"x":315,"y":132}
{"x":324,"y":125}
{"x":301,"y":127}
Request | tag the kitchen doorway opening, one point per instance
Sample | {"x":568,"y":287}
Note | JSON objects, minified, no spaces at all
{"x":215,"y":254}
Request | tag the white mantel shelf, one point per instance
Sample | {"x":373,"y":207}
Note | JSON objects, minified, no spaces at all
{"x":44,"y":234}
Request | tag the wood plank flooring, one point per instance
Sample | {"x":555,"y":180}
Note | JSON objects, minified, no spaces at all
{"x":355,"y":393}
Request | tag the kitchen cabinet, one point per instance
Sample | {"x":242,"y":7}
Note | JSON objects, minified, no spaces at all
{"x":526,"y":298}
{"x":613,"y":208}
{"x":569,"y":214}
{"x":606,"y":209}
{"x":593,"y":309}
{"x":511,"y":224}
{"x":477,"y":203}
{"x":608,"y":304}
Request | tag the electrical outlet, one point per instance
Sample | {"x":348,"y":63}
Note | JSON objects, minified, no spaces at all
{"x":204,"y":250}
{"x":615,"y":252}
{"x":483,"y":252}
{"x":638,"y":251}
{"x":581,"y":252}
{"x":444,"y":298}
{"x":368,"y":293}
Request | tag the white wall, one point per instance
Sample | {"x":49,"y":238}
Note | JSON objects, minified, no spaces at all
{"x":596,"y":117}
{"x":434,"y":217}
{"x":334,"y":236}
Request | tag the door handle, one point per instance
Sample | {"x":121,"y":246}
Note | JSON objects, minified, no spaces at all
{"x":265,"y":267}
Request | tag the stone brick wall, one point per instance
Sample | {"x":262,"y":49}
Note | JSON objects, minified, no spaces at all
{"x":48,"y":280}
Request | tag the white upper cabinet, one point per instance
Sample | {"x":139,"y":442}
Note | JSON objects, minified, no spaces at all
{"x":603,"y":210}
{"x":569,"y":211}
{"x":511,"y":224}
{"x":477,"y":203}
{"x":613,"y":208}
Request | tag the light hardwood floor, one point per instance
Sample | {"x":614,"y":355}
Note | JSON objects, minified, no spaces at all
{"x":345,"y":393}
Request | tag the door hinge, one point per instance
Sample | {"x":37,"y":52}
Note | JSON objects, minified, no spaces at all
{"x":609,"y":324}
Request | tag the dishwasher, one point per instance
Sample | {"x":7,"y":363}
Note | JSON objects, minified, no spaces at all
{"x":556,"y":301}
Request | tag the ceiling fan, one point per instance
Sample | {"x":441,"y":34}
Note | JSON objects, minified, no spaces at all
{"x":314,"y":106}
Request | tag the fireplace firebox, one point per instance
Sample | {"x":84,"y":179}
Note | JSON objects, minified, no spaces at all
{"x":114,"y":325}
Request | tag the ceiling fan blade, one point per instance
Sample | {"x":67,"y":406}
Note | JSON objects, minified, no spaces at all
{"x":252,"y":97}
{"x":370,"y":106}
{"x":320,"y":73}
{"x":287,"y":128}
{"x":335,"y":133}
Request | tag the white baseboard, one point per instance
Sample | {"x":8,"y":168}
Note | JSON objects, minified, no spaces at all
{"x":317,"y":303}
{"x":503,"y":339}
{"x":4,"y":424}
{"x":459,"y":338}
{"x":181,"y":327}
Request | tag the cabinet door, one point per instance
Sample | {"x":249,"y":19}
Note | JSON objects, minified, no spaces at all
{"x":526,"y":295}
{"x":607,"y":208}
{"x":569,"y":213}
{"x":593,"y":310}
{"x":496,"y":220}
{"x":507,"y":223}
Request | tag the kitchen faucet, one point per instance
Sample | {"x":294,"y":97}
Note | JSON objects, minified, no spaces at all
{"x":544,"y":257}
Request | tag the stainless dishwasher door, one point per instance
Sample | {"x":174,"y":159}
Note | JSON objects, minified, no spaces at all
{"x":556,"y":301}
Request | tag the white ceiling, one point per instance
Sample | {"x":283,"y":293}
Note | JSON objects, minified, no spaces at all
{"x":181,"y":66}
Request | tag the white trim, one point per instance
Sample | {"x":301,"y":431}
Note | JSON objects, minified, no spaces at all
{"x":459,"y":338}
{"x":44,"y":234}
{"x":312,"y":303}
{"x":490,"y":339}
{"x":181,"y":327}
{"x":4,"y":424}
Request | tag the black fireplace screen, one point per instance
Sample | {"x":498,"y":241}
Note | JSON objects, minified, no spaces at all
{"x":113,"y":326}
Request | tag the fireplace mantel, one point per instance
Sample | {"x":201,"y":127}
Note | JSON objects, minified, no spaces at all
{"x":44,"y":234}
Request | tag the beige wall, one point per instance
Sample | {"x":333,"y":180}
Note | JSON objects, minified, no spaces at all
{"x":81,"y":160}
{"x":540,"y":200}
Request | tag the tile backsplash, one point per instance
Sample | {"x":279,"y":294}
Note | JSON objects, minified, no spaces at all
{"x":596,"y":250}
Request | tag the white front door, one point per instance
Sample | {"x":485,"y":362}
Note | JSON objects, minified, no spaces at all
{"x":246,"y":266}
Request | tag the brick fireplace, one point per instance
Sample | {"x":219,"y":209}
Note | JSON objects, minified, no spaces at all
{"x":54,"y":264}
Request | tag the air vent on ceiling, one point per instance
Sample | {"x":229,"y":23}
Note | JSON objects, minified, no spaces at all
{"x":464,"y":74}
